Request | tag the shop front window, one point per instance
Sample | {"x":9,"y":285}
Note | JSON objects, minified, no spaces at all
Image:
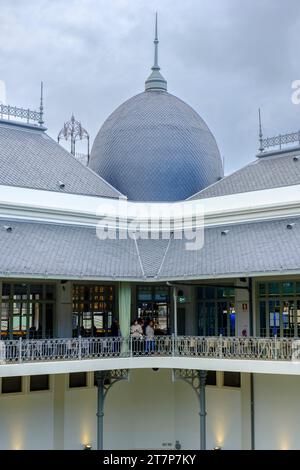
{"x":216,"y":311}
{"x":93,"y":310}
{"x":279,"y":309}
{"x":153,"y":303}
{"x":27,"y":310}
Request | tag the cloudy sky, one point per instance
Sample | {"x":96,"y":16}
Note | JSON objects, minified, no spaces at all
{"x":223,"y":57}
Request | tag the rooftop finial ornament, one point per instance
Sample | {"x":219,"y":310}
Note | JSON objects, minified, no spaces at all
{"x":156,"y":81}
{"x":41,"y":120}
{"x":73,"y":130}
{"x":261,"y":146}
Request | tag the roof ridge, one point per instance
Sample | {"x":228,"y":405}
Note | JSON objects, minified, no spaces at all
{"x":139,"y":257}
{"x":164,"y":257}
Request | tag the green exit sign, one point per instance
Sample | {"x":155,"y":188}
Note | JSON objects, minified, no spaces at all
{"x":181,"y":299}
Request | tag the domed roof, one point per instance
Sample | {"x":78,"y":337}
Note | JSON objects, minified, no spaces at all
{"x":154,"y":147}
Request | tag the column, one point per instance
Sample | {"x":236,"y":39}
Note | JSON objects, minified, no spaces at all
{"x":64,"y":310}
{"x":124,"y":312}
{"x":100,"y":377}
{"x":202,"y":412}
{"x":242,"y":306}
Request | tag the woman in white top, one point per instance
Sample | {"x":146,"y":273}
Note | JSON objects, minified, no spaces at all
{"x":136,"y":329}
{"x":136,"y":332}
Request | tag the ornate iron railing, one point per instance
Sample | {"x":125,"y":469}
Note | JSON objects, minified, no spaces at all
{"x":29,"y":350}
{"x":8,"y":112}
{"x":279,"y":140}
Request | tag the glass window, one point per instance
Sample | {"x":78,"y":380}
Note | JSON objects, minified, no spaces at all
{"x":216,"y":313}
{"x":77,"y":379}
{"x":39,"y":383}
{"x":225,"y":292}
{"x":274,"y":288}
{"x":262,"y":318}
{"x":93,"y":308}
{"x":153,"y":304}
{"x":287,"y":288}
{"x":262,"y":290}
{"x":210,"y":292}
{"x":200,"y":293}
{"x":11,"y":384}
{"x":232,"y":379}
{"x":211,"y":378}
{"x":26,"y":311}
{"x":144,"y":293}
{"x":278,"y":308}
{"x":161,"y":293}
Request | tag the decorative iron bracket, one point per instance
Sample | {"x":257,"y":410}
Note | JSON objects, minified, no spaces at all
{"x":110,"y":377}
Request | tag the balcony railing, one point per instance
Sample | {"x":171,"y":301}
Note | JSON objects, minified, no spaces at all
{"x":268,"y":349}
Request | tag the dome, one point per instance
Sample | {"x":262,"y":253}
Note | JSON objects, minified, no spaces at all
{"x":155,"y":147}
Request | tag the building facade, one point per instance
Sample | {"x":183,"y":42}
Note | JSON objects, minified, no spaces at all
{"x":221,"y":367}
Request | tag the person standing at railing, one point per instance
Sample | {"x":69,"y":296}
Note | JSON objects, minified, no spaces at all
{"x":136,"y":332}
{"x":150,"y":343}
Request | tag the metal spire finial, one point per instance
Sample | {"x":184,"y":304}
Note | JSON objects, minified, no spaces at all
{"x":156,"y":42}
{"x":156,"y":81}
{"x":41,"y":120}
{"x":261,"y":147}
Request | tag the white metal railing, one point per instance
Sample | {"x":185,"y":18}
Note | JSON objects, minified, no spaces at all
{"x":30,"y":350}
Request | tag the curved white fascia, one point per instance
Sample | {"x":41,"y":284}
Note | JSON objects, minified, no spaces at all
{"x":47,"y":206}
{"x":86,"y":365}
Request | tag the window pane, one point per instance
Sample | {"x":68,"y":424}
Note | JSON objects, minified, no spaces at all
{"x":287,"y":288}
{"x":211,"y":377}
{"x":201,"y":320}
{"x":210,"y":292}
{"x":200,"y":293}
{"x":225,"y":292}
{"x":39,"y":382}
{"x":232,"y":379}
{"x":210,"y":318}
{"x":77,"y":379}
{"x":273,"y":288}
{"x":262,"y":290}
{"x":36,"y":292}
{"x":20,"y":291}
{"x":161,"y":293}
{"x":144,"y":293}
{"x":11,"y":384}
{"x":50,"y":292}
{"x":262,"y":318}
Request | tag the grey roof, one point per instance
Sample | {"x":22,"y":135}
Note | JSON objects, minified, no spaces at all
{"x":29,"y":158}
{"x":155,"y":147}
{"x":61,"y":250}
{"x":256,"y":247}
{"x":152,"y":254}
{"x":266,"y":172}
{"x":39,"y":249}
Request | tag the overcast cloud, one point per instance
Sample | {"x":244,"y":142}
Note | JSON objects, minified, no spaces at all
{"x":223,"y":57}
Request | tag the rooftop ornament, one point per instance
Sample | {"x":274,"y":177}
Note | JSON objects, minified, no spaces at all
{"x":8,"y":112}
{"x":73,"y":130}
{"x":156,"y":82}
{"x":277,"y":141}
